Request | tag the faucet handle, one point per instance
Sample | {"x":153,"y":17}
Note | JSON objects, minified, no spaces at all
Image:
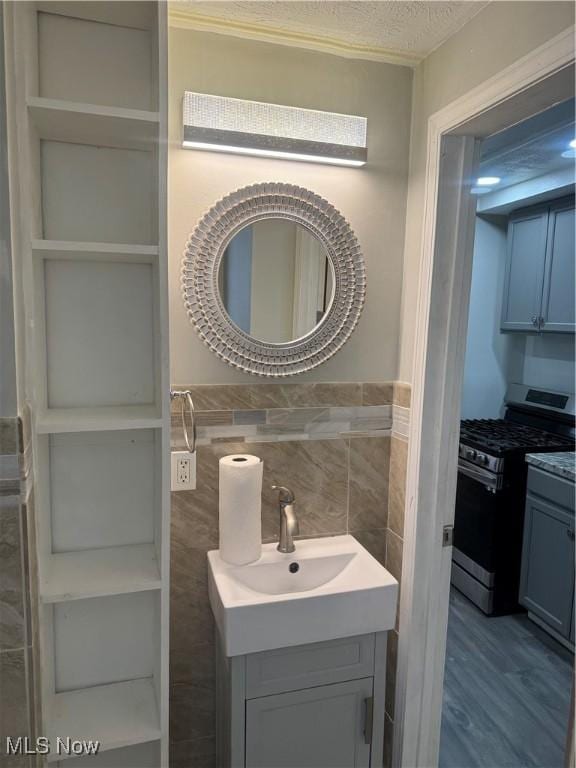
{"x":286,"y":495}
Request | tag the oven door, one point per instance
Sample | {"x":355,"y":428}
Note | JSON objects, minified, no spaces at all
{"x":476,"y":519}
{"x":487,"y":539}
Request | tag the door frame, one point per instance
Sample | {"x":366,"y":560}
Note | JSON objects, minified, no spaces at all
{"x":529,"y":85}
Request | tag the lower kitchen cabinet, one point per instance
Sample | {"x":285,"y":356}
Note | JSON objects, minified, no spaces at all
{"x":547,"y":579}
{"x":312,"y":706}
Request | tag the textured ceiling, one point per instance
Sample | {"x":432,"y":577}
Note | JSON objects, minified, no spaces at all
{"x":412,"y":29}
{"x":531,"y":148}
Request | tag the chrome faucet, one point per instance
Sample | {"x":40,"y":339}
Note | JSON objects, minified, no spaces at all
{"x":288,"y":520}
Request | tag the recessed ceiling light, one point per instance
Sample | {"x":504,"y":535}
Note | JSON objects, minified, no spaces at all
{"x":488,"y":181}
{"x":573,"y":144}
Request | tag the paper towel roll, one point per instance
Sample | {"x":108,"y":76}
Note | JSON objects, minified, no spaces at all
{"x":240,"y":519}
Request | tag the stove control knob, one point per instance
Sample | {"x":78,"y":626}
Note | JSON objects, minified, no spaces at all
{"x":482,"y":459}
{"x":470,"y":453}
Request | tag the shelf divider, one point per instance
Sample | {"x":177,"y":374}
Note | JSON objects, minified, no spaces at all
{"x":78,"y":123}
{"x":83,"y":251}
{"x":116,"y":715}
{"x":99,"y":419}
{"x":99,"y":573}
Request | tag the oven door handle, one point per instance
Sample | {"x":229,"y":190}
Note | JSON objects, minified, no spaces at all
{"x":491,"y":481}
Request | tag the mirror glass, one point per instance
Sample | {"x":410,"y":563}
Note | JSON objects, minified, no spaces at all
{"x":276,"y":280}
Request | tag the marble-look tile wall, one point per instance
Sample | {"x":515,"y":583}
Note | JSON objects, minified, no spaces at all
{"x":337,"y":447}
{"x":17,"y":711}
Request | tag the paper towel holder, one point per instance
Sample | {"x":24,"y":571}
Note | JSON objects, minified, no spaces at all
{"x":185,"y":397}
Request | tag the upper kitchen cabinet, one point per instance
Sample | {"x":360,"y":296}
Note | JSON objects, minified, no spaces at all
{"x":527,"y":233}
{"x":538,"y":288}
{"x":558,"y":294}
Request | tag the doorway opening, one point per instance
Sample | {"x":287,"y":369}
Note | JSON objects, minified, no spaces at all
{"x":531,"y":85}
{"x":510,"y":643}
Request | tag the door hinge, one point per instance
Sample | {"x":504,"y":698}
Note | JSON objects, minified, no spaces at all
{"x":368,"y":719}
{"x":447,"y":535}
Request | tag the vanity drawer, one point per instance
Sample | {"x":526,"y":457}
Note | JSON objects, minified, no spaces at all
{"x":304,"y":666}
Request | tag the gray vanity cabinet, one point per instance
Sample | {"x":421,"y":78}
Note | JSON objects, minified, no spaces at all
{"x":314,"y":728}
{"x":547,"y":578}
{"x":539,"y":280}
{"x":312,"y":706}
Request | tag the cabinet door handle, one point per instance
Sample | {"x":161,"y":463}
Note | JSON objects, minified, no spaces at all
{"x":541,"y":322}
{"x":570,"y":534}
{"x":368,"y":719}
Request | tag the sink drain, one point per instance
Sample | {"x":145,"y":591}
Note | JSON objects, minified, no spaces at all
{"x":294,"y":567}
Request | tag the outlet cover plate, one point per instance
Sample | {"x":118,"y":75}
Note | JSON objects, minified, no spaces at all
{"x":183,"y":471}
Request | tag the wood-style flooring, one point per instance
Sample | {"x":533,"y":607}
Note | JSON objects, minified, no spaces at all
{"x":507,"y":691}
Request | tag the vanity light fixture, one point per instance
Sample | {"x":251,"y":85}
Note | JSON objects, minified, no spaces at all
{"x":222,"y":124}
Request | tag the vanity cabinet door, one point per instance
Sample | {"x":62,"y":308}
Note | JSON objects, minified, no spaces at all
{"x":321,"y":727}
{"x":547,"y":580}
{"x":527,"y":233}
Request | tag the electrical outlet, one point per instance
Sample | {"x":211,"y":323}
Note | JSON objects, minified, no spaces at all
{"x":183,"y":471}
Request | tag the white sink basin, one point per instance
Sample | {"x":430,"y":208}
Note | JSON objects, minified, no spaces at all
{"x":338,"y":590}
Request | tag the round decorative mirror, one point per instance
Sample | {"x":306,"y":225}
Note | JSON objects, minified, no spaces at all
{"x":276,"y":280}
{"x":273,"y":279}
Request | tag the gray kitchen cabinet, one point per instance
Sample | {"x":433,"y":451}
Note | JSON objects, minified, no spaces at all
{"x":524,"y":278}
{"x":558,"y":293}
{"x":538,"y":285}
{"x":312,"y":706}
{"x":547,"y":577}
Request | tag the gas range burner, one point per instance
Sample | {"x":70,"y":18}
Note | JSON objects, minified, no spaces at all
{"x":497,"y":436}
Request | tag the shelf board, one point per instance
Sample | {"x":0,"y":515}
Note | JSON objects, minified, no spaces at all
{"x":99,"y":573}
{"x":117,"y":715}
{"x":78,"y":251}
{"x":70,"y":121}
{"x":99,"y":419}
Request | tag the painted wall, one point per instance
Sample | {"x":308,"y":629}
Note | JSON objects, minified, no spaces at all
{"x":493,"y":359}
{"x":372,"y":199}
{"x":499,"y":35}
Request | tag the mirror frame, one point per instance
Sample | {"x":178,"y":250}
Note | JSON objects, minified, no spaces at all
{"x":201,"y":263}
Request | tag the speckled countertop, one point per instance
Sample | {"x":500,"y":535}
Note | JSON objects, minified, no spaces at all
{"x":561,"y":464}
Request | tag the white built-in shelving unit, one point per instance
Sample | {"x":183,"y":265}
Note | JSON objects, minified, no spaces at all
{"x":89,"y":141}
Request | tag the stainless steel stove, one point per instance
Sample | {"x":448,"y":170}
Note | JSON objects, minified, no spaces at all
{"x":491,"y":491}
